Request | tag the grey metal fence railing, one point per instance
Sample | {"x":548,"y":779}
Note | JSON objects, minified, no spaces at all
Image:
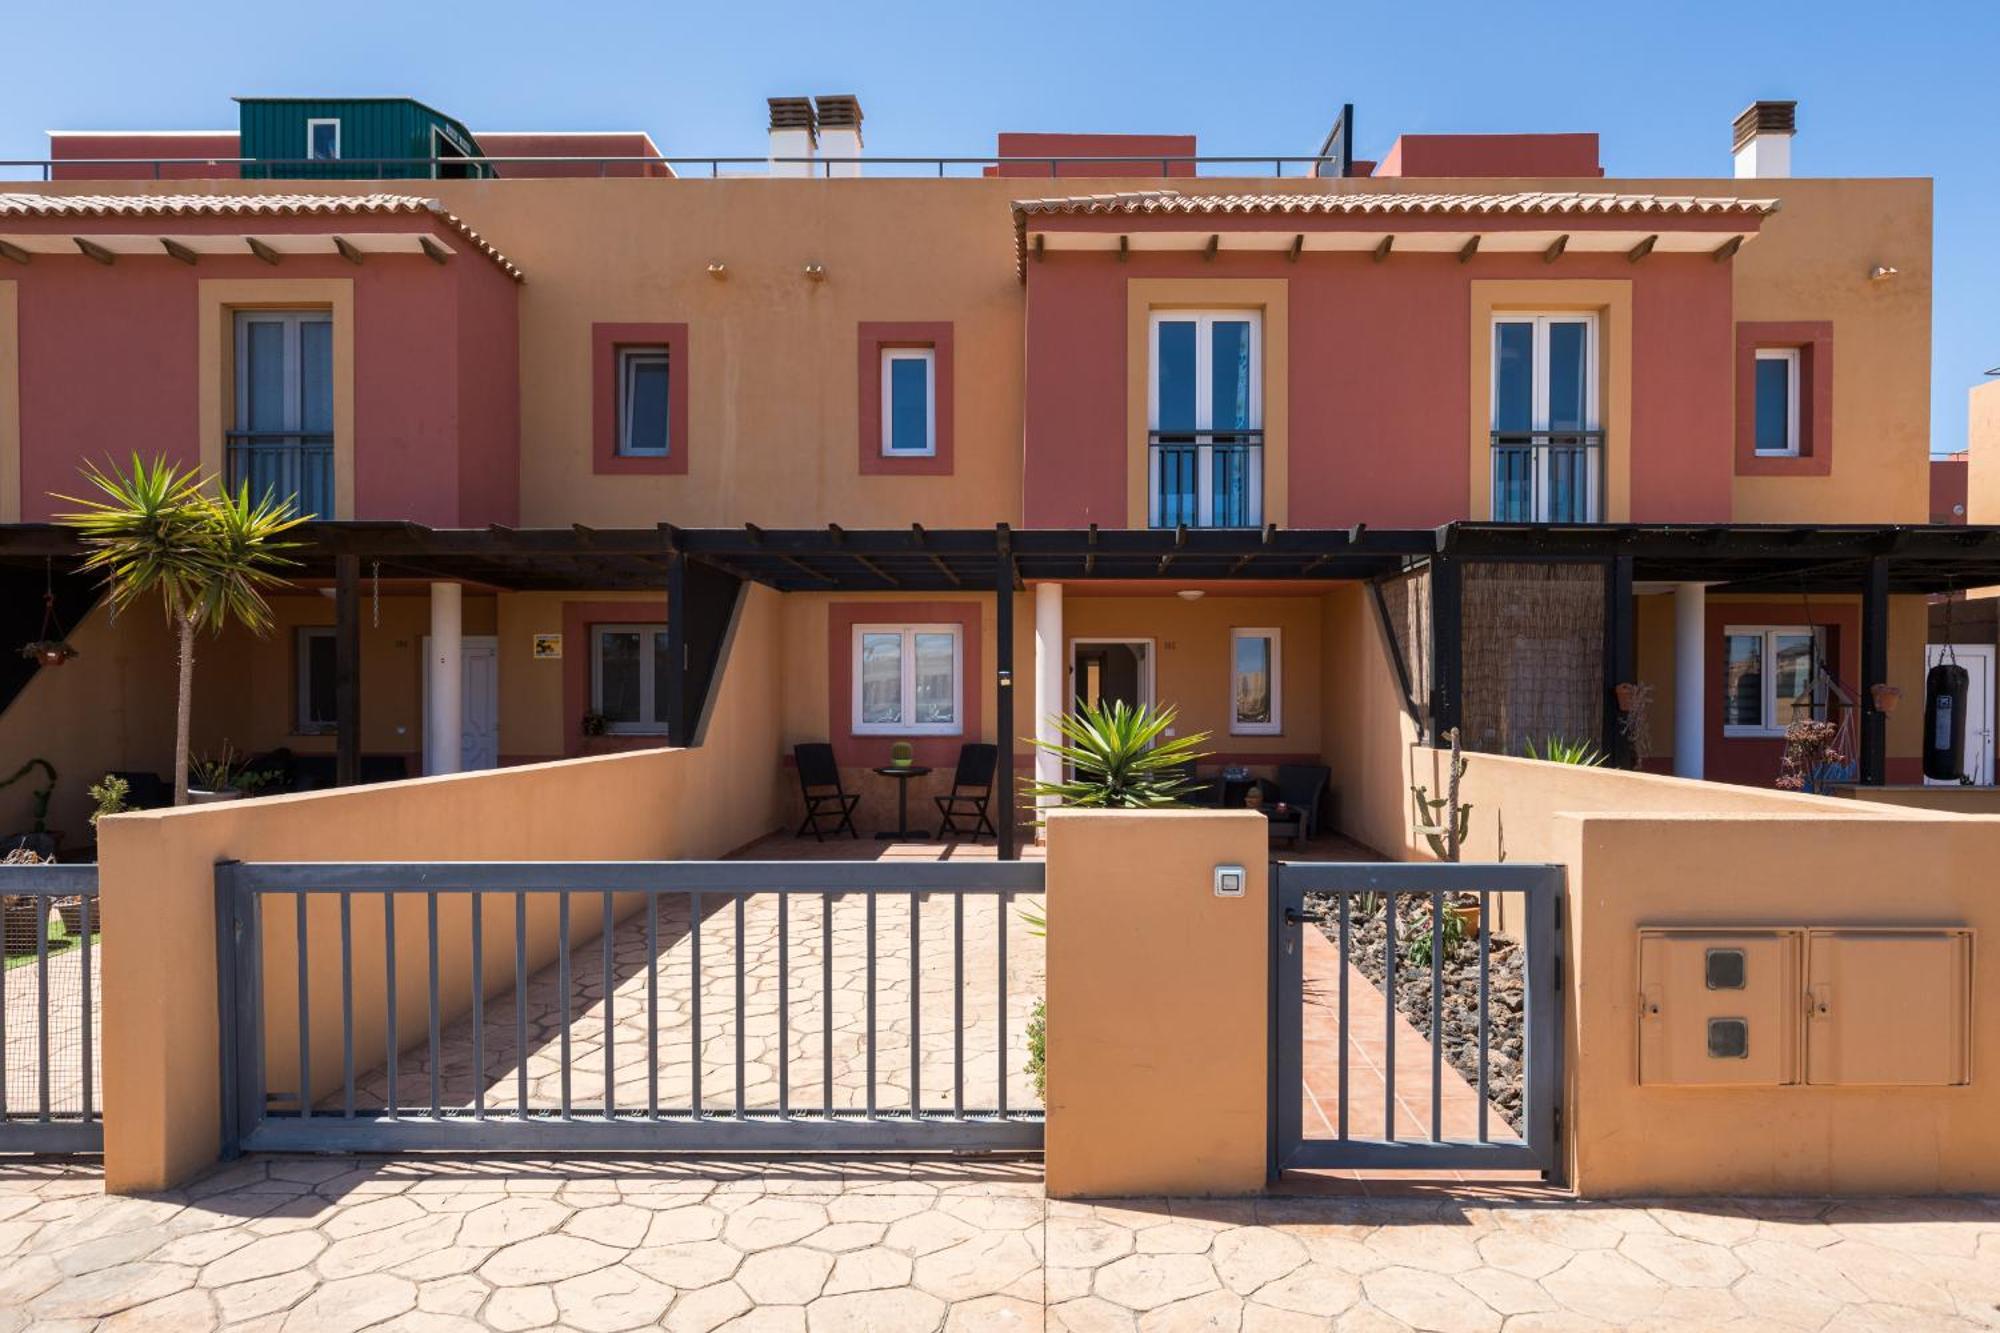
{"x":851,"y":1009}
{"x":1482,"y":1022}
{"x":50,"y":1014}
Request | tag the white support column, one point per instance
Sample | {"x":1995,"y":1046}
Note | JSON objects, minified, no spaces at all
{"x":1051,"y":680}
{"x":444,"y":711}
{"x":1690,"y":677}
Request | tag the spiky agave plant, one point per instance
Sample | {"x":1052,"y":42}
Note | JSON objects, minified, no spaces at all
{"x":210,"y":557}
{"x":1118,"y":759}
{"x":1562,"y":750}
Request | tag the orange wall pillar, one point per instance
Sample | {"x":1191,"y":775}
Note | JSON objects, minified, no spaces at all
{"x":1158,"y":994}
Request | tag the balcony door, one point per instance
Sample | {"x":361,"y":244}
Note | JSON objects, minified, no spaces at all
{"x":1205,"y":427}
{"x":283,"y":440}
{"x":1547,"y":444}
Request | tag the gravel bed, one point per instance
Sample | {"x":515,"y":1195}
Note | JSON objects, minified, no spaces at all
{"x":1460,"y":1023}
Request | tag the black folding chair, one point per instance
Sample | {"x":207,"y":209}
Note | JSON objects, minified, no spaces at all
{"x":819,"y":783}
{"x":1302,"y":786}
{"x":971,"y":791}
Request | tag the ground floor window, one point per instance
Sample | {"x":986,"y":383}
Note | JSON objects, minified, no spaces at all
{"x":628,"y":690}
{"x":317,"y":709}
{"x":1770,"y":678}
{"x":907,"y":680}
{"x":1254,"y":682}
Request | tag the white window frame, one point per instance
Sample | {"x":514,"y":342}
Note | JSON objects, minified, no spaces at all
{"x":649,"y":707}
{"x":629,"y":360}
{"x":313,"y":125}
{"x":907,"y":706}
{"x":1790,"y":356}
{"x":1539,"y":408}
{"x":1276,"y":726}
{"x":293,"y":383}
{"x":1768,"y":704}
{"x":891,"y":355}
{"x":1204,"y":409}
{"x":302,"y":723}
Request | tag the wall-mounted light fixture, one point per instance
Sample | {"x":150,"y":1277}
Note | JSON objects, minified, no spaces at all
{"x":1191,"y":594}
{"x":816,"y":272}
{"x":717,"y":269}
{"x":1881,"y":273}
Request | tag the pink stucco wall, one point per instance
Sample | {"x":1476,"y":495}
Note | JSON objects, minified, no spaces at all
{"x":1473,"y":155}
{"x":114,"y":144}
{"x":1380,"y":396}
{"x":109,"y":367}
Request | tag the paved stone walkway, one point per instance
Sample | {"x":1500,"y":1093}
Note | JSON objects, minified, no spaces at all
{"x":21,"y":999}
{"x":292,"y":1245}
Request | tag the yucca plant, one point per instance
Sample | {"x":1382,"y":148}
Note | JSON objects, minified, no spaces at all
{"x":1562,"y":750}
{"x":1118,"y":759}
{"x":209,"y":556}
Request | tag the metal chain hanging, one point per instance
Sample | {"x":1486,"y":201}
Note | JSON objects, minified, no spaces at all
{"x":375,"y":597}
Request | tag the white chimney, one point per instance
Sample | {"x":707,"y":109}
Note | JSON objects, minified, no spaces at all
{"x":1764,"y":140}
{"x":839,"y":133}
{"x":792,"y":136}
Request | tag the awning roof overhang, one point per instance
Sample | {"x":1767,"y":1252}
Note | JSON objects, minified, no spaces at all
{"x":1777,"y":558}
{"x":199,"y":245}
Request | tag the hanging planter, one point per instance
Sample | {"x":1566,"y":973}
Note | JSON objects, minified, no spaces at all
{"x":1886,"y":697}
{"x":1628,"y":694}
{"x":49,"y":652}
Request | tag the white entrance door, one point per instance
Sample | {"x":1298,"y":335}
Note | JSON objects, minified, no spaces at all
{"x":1977,"y":659}
{"x":479,"y":672}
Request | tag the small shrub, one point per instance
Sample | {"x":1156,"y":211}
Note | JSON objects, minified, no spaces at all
{"x":111,"y":794}
{"x":1038,"y":1047}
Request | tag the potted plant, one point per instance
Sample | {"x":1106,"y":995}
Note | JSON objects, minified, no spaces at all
{"x":1118,"y":759}
{"x":902,"y":754}
{"x":209,"y":555}
{"x":1886,"y":697}
{"x":19,"y":912}
{"x":49,"y":652}
{"x":595,"y":724}
{"x":40,"y":839}
{"x":220,"y":777}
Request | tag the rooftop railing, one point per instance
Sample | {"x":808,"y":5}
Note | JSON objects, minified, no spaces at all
{"x":407,"y":168}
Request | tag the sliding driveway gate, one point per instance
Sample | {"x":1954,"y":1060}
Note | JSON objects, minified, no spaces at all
{"x":839,"y":1006}
{"x":1464,"y":1070}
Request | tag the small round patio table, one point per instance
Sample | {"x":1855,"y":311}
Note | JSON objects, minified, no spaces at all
{"x":902,"y":773}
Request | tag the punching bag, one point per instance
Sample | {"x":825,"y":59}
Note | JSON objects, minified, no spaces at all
{"x":1945,"y":689}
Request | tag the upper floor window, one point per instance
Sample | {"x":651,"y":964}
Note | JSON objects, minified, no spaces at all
{"x":1206,"y":419}
{"x":643,"y":394}
{"x":283,"y":439}
{"x":907,"y":680}
{"x":909,"y":402}
{"x":1777,"y":390}
{"x":323,"y":140}
{"x":1770,"y":678}
{"x":1547,"y":445}
{"x":627,"y":663}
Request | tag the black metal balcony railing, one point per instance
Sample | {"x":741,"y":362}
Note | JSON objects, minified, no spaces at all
{"x":288,"y":464}
{"x":1207,"y":478}
{"x":1548,"y":476}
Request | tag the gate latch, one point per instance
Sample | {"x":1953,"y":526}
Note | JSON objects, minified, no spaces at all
{"x":1294,"y":917}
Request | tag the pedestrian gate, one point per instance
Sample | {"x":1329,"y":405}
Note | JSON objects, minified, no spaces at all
{"x":1463,"y":1070}
{"x":840,"y":1006}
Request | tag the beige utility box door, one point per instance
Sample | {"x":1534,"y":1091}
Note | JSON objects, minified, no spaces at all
{"x":1889,"y":1007}
{"x":1719,"y":1008}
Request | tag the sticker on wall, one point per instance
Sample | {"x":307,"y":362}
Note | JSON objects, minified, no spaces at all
{"x":548,"y":647}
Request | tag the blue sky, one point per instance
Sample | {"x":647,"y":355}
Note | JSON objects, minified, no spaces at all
{"x":1904,"y":90}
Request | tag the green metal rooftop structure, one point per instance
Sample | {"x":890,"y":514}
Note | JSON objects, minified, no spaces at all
{"x":353,"y":138}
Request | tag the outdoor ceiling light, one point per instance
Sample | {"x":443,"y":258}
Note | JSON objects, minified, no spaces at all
{"x":1191,"y":594}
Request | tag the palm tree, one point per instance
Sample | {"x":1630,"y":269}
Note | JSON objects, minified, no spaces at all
{"x":210,"y":556}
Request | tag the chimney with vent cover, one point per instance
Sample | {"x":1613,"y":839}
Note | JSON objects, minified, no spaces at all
{"x":1764,"y":139}
{"x":793,"y":135}
{"x":839,"y":133}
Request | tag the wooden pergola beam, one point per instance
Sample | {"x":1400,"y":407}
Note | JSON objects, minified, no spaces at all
{"x":261,"y":250}
{"x":1642,"y":249}
{"x":95,"y":251}
{"x":9,"y":250}
{"x":1556,"y":247}
{"x":348,"y":250}
{"x":1383,"y":246}
{"x":179,"y":251}
{"x":436,"y":253}
{"x":1469,"y":249}
{"x":1727,"y":249}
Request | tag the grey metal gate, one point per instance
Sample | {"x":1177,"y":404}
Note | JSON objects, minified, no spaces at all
{"x":500,"y":1080}
{"x":1347,"y":939}
{"x":49,"y":1011}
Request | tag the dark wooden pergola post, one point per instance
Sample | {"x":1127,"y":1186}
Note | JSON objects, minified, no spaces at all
{"x":1447,"y":647}
{"x":1874,"y":671}
{"x":1003,"y":678}
{"x":1620,"y":653}
{"x":347,"y":670}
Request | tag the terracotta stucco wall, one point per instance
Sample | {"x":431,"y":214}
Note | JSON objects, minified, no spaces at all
{"x":1982,"y":481}
{"x":157,"y":877}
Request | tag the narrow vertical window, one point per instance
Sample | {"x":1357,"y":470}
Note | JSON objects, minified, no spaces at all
{"x":1547,"y":446}
{"x":317,"y":713}
{"x":323,"y":140}
{"x":1205,"y":420}
{"x":1777,"y":390}
{"x":909,"y":402}
{"x":1254,"y":682}
{"x":644,"y":394}
{"x":282,"y":443}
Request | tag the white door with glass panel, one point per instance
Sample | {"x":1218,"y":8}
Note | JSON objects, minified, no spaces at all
{"x":1977,"y":659}
{"x":479,"y":703}
{"x":1205,"y":427}
{"x":1547,"y":447}
{"x":283,"y":440}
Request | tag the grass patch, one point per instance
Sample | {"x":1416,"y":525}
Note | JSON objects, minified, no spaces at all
{"x":60,"y":942}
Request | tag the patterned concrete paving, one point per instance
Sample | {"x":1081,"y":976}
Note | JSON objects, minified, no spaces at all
{"x":320,"y":1245}
{"x":21,"y":1001}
